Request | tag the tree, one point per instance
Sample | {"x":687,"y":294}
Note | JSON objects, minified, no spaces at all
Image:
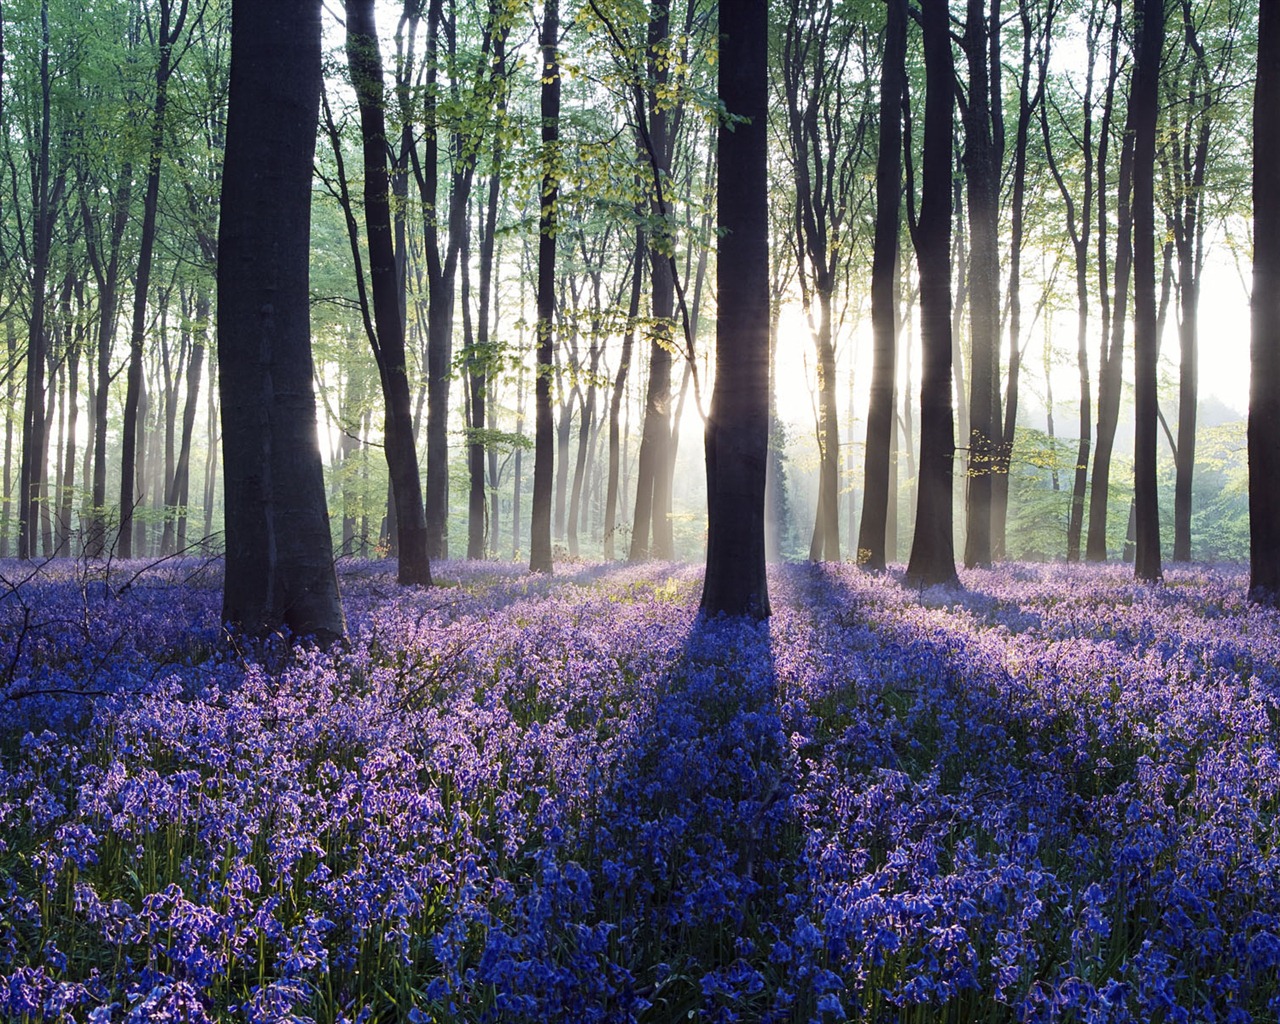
{"x":1264,"y":382}
{"x":824,"y":141}
{"x":544,"y":440}
{"x":737,"y":430}
{"x":1114,"y":307}
{"x":884,"y":279}
{"x":983,"y":156}
{"x":1034,"y":36}
{"x":1196,"y":87}
{"x":1144,"y":102}
{"x":173,"y":18}
{"x":386,"y":332}
{"x":932,"y":558}
{"x":48,"y":181}
{"x":1079,"y":229}
{"x":279,"y":563}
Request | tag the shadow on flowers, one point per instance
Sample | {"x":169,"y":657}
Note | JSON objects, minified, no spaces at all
{"x":649,"y":907}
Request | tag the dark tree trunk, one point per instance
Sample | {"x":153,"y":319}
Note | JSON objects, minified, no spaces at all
{"x":279,"y":564}
{"x":737,"y":431}
{"x":44,"y":202}
{"x":982,"y":159}
{"x":544,"y":441}
{"x":388,"y":337}
{"x":170,"y":28}
{"x":1144,"y":103}
{"x":933,"y":547}
{"x":872,"y":532}
{"x":1264,"y":388}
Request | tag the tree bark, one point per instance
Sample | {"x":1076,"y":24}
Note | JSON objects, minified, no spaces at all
{"x":540,"y":559}
{"x":279,"y":563}
{"x":1144,"y":102}
{"x":388,"y":337}
{"x":169,"y":30}
{"x":1114,"y":313}
{"x":1264,"y":387}
{"x":872,"y":532}
{"x":933,"y":547}
{"x":611,"y":499}
{"x":737,"y":430}
{"x":982,"y":160}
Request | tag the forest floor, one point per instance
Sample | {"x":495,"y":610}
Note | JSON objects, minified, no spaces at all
{"x":1053,"y":794}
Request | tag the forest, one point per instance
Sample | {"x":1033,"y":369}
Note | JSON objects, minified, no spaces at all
{"x":640,"y":510}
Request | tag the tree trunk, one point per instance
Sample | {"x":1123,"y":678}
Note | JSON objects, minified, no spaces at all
{"x":544,"y":442}
{"x":481,"y":360}
{"x":1144,"y":102}
{"x":611,"y":499}
{"x":933,"y":547}
{"x":1027,"y":103}
{"x":585,"y":428}
{"x":982,"y":160}
{"x":737,"y":431}
{"x":179,"y":489}
{"x":825,"y":545}
{"x":10,"y":394}
{"x":44,"y":201}
{"x":170,"y":28}
{"x":872,"y":532}
{"x":388,"y":338}
{"x":1264,"y":388}
{"x":1115,"y":314}
{"x":279,"y":564}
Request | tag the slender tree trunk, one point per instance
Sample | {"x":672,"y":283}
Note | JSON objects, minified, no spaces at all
{"x":544,"y":443}
{"x":171,"y":24}
{"x":825,"y":545}
{"x":44,"y":201}
{"x":585,"y":428}
{"x":611,"y":500}
{"x":107,"y":272}
{"x":982,"y":160}
{"x":932,"y":549}
{"x":1109,"y":373}
{"x":517,"y":464}
{"x":69,"y":446}
{"x":279,"y":565}
{"x":180,"y":489}
{"x":388,"y":336}
{"x":872,"y":546}
{"x":211,"y":453}
{"x":10,"y":395}
{"x":1144,"y":102}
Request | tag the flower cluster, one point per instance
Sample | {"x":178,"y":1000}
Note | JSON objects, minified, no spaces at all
{"x":1049,"y":796}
